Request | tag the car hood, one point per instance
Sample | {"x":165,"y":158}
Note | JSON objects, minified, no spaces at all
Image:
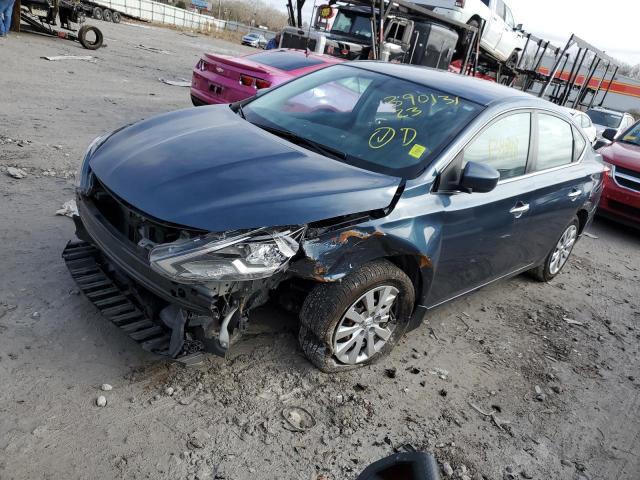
{"x":209,"y":169}
{"x":622,"y":154}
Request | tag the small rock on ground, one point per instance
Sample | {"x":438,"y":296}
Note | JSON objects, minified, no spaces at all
{"x":17,"y":173}
{"x":101,"y":401}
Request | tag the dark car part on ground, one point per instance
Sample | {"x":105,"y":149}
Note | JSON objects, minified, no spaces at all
{"x":362,"y":240}
{"x":403,"y":466}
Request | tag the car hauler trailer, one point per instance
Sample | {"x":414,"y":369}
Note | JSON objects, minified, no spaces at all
{"x":398,"y":31}
{"x":578,"y":75}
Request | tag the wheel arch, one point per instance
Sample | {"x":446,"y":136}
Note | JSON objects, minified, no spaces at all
{"x":583,"y":218}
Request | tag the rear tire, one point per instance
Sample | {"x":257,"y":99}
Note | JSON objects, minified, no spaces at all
{"x":116,"y":17}
{"x":512,"y":61}
{"x":559,"y":254}
{"x":463,"y":42}
{"x":325,"y":311}
{"x":106,"y":15}
{"x":97,"y":13}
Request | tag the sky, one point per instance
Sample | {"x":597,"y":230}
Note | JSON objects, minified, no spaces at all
{"x":609,"y":25}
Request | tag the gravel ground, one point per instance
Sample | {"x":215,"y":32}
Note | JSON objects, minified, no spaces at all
{"x":497,"y":384}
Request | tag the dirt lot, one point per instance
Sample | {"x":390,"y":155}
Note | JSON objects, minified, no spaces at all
{"x":564,"y":398}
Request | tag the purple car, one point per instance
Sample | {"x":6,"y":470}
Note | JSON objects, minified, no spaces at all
{"x":223,"y":79}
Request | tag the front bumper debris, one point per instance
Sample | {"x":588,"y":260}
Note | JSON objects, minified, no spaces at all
{"x":85,"y":264}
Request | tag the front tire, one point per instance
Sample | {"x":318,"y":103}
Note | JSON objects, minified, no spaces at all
{"x":357,"y":321}
{"x":559,"y":254}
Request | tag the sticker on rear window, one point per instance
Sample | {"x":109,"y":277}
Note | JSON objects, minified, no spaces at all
{"x":417,"y":150}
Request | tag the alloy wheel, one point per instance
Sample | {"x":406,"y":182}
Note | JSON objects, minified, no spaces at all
{"x":563,"y":249}
{"x":366,"y":326}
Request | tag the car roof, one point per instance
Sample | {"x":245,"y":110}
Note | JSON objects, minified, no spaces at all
{"x":306,"y":53}
{"x":327,"y":59}
{"x":474,"y":89}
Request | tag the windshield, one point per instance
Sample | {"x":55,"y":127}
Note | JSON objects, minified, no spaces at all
{"x":632,"y":135}
{"x":606,"y":119}
{"x":374,"y":121}
{"x":352,"y":23}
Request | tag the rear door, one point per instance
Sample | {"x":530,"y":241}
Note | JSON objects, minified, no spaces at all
{"x":482,"y":236}
{"x":556,"y":181}
{"x":510,"y":39}
{"x":494,"y":27}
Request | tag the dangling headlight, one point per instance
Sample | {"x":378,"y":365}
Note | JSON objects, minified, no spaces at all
{"x":250,"y":256}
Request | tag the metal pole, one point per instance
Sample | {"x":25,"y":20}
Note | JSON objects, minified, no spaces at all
{"x":552,"y":74}
{"x":585,"y":86}
{"x":524,"y":51}
{"x":574,"y":75}
{"x":595,"y":94}
{"x":615,"y":72}
{"x":381,"y":22}
{"x":467,"y":53}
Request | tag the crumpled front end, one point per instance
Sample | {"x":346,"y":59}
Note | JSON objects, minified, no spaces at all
{"x":175,"y":292}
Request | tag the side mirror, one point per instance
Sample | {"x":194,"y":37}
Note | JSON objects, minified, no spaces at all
{"x":519,"y":28}
{"x":478,"y":177}
{"x":610,"y":134}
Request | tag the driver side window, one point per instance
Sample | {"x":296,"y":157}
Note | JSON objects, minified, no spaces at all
{"x":504,"y":146}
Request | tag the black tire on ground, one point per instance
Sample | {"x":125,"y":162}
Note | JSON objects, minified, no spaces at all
{"x":85,"y":41}
{"x":115,"y":17}
{"x":542,"y":273}
{"x":97,"y":13}
{"x":326,"y":304}
{"x":106,"y":15}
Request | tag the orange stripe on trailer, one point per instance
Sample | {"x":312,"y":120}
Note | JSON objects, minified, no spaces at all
{"x":622,"y":88}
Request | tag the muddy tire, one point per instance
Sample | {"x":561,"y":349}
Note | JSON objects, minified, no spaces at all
{"x":106,"y":15}
{"x":328,"y":309}
{"x":512,"y":61}
{"x":97,"y":13}
{"x":559,"y":254}
{"x":86,"y":40}
{"x":116,"y":17}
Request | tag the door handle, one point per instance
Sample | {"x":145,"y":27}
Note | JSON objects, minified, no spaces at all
{"x":575,"y":193}
{"x":519,"y":209}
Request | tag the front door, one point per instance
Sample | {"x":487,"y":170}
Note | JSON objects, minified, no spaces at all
{"x":482,"y":236}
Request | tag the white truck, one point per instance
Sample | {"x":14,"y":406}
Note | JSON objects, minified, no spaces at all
{"x":501,"y":38}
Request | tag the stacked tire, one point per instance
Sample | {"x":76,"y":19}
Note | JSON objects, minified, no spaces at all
{"x":106,"y":15}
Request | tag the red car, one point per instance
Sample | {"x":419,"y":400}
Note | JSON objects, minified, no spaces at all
{"x":621,"y":197}
{"x":224,"y":79}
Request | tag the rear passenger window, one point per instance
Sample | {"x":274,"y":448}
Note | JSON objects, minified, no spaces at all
{"x":504,"y":146}
{"x":579,"y":144}
{"x":555,"y":142}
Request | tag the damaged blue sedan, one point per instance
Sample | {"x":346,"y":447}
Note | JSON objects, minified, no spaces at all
{"x":361,"y":195}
